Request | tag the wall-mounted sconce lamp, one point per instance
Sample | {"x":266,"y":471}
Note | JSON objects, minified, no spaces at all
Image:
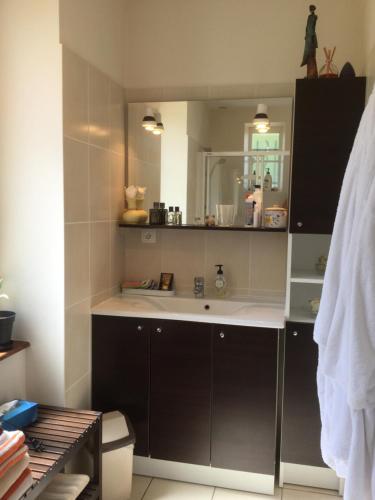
{"x":159,"y":129}
{"x":261,"y":120}
{"x":149,"y":122}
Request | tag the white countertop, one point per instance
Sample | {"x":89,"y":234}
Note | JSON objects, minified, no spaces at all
{"x":234,"y":311}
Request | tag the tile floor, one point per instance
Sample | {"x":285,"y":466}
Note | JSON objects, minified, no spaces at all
{"x":147,"y":488}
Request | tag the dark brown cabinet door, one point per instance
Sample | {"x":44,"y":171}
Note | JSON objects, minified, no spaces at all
{"x":301,"y":418}
{"x":120,"y":371}
{"x":327,"y":115}
{"x":244,"y":399}
{"x":180,"y":391}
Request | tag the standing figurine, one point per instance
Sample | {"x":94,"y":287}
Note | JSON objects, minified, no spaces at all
{"x":311,"y":44}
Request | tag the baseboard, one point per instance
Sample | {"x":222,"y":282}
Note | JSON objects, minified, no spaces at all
{"x":306,"y":475}
{"x":200,"y":474}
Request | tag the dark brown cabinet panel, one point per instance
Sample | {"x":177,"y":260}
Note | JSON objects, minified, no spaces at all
{"x":244,"y":398}
{"x":327,"y":115}
{"x":301,"y":418}
{"x":180,"y":391}
{"x":120,"y":371}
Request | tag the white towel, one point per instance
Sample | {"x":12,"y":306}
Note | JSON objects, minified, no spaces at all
{"x":13,"y":474}
{"x":345,"y":326}
{"x":65,"y":487}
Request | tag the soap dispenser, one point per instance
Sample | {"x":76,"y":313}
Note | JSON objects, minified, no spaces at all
{"x":220,"y":282}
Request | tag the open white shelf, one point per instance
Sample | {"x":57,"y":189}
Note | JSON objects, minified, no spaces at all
{"x":307,"y":276}
{"x":301,"y":315}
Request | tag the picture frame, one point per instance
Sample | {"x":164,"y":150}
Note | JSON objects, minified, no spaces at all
{"x":166,"y":281}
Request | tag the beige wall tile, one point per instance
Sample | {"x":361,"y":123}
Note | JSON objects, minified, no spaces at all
{"x":78,"y":396}
{"x":116,"y":255}
{"x":75,"y":92}
{"x":76,"y":181}
{"x":100,"y":297}
{"x":78,"y":343}
{"x":98,"y":108}
{"x":231,"y":250}
{"x":100,"y":257}
{"x":77,"y":258}
{"x":183,"y":255}
{"x":142,"y":260}
{"x":268,"y":261}
{"x":117,"y":119}
{"x":117,"y":174}
{"x":99,"y":184}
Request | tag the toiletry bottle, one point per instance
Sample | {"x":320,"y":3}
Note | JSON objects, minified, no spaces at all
{"x":171,"y":217}
{"x":220,"y":282}
{"x":253,"y":180}
{"x":267,"y":181}
{"x":258,"y":209}
{"x":178,"y":216}
{"x":163,"y":214}
{"x":249,"y":210}
{"x":155,"y":214}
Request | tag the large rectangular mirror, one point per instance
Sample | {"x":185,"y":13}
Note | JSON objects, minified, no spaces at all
{"x":210,"y":153}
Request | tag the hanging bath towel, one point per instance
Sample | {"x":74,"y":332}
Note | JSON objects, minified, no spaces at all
{"x":345,"y":326}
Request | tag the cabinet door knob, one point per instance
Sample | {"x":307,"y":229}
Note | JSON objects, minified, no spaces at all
{"x":299,"y":224}
{"x":295,"y":334}
{"x":139,"y":328}
{"x":159,"y":330}
{"x":222,"y":335}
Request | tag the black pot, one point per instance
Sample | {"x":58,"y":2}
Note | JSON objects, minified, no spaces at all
{"x":6,"y":326}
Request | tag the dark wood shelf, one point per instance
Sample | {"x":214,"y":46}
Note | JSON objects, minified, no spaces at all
{"x":18,"y":345}
{"x":63,"y":432}
{"x":202,"y":227}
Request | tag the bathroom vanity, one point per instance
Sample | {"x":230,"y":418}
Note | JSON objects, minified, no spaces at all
{"x":224,"y":394}
{"x":202,"y":391}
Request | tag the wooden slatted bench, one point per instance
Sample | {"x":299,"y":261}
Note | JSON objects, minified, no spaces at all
{"x":62,"y":433}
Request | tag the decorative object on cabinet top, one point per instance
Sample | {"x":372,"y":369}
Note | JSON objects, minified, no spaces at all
{"x":329,"y":70}
{"x":311,"y":44}
{"x":135,"y":214}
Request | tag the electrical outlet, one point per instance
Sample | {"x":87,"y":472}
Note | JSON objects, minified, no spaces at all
{"x":149,"y":236}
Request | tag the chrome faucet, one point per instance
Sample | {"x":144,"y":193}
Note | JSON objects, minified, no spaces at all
{"x":199,"y":287}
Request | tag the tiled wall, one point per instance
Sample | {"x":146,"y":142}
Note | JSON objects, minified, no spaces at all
{"x":253,"y":262}
{"x":94,"y":152}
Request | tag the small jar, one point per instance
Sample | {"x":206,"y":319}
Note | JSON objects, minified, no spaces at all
{"x":275,"y":217}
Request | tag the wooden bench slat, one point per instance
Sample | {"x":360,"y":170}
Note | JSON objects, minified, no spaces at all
{"x":63,"y":422}
{"x":55,"y":431}
{"x":55,"y":443}
{"x":69,"y":413}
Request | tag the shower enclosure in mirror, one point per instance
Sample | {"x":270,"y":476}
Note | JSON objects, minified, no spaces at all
{"x":210,"y":155}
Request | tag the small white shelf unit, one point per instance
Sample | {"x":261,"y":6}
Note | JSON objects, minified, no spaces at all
{"x":304,"y":283}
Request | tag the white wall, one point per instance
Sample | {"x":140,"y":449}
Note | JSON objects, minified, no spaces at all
{"x":13,"y":377}
{"x":238,"y":42}
{"x":31,"y":187}
{"x":96,"y":30}
{"x":174,"y":155}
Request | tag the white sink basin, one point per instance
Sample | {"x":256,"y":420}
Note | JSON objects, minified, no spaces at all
{"x":198,"y":306}
{"x":206,"y":310}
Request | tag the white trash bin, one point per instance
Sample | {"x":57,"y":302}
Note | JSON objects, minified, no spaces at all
{"x":117,"y":456}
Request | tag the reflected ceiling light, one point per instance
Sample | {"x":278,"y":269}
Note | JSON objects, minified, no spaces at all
{"x":159,"y":129}
{"x":261,"y":120}
{"x":149,"y":122}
